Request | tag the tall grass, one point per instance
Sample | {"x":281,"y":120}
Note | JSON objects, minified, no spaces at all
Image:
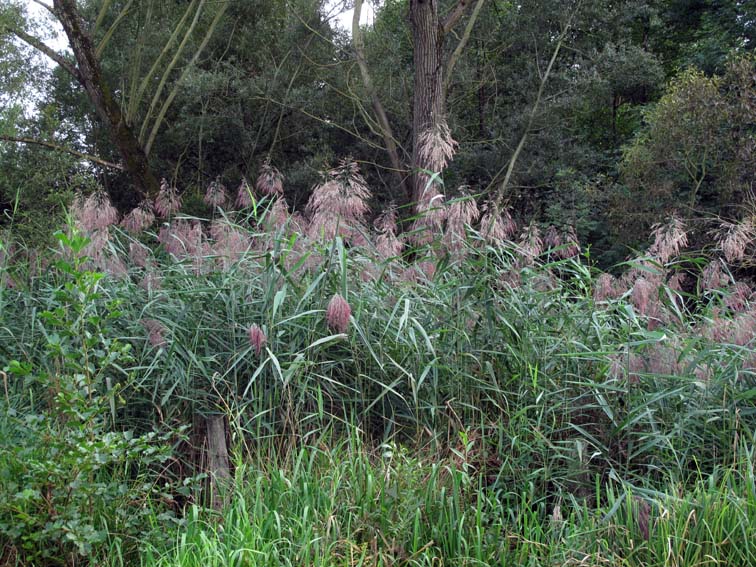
{"x":488,"y":403}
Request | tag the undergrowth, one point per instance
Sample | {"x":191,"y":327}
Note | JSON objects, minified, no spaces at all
{"x":454,"y":398}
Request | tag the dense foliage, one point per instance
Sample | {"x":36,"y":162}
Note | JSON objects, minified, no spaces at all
{"x":472,"y":286}
{"x":477,"y":399}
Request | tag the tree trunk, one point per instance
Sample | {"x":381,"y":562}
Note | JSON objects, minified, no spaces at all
{"x":428,"y":102}
{"x":90,"y":76}
{"x":218,"y":469}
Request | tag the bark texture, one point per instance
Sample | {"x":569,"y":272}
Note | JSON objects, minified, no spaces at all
{"x":90,"y":76}
{"x":218,"y":468}
{"x":429,"y":103}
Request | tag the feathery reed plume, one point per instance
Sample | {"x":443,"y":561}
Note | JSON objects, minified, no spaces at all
{"x":431,"y":215}
{"x":270,"y":180}
{"x":461,"y":213}
{"x":436,"y":147}
{"x":738,"y":297}
{"x":277,"y":214}
{"x":138,"y":254}
{"x":139,"y":218}
{"x":182,"y":238}
{"x":669,"y":239}
{"x":215,"y":195}
{"x":156,"y":332}
{"x":298,"y":223}
{"x":168,"y":201}
{"x":115,"y":267}
{"x":552,"y":239}
{"x":151,"y":281}
{"x":677,"y":282}
{"x":531,"y":245}
{"x":735,"y":238}
{"x":94,"y":212}
{"x":571,"y":246}
{"x":744,"y":329}
{"x":257,"y":338}
{"x":338,"y":313}
{"x":244,"y":197}
{"x":338,"y":205}
{"x":645,"y":296}
{"x":606,"y":288}
{"x":714,"y":276}
{"x":98,"y":242}
{"x":387,"y":243}
{"x":497,"y":225}
{"x":230,"y":243}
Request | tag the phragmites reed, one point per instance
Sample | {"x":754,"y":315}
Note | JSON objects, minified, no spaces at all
{"x":244,"y":197}
{"x":168,"y":201}
{"x":436,"y":147}
{"x":215,"y":195}
{"x":571,"y":246}
{"x":140,"y":218}
{"x":605,"y":288}
{"x":94,"y":212}
{"x":460,"y":214}
{"x":277,"y":215}
{"x":531,"y":245}
{"x":669,"y":239}
{"x":230,"y":243}
{"x":155,"y":332}
{"x":496,"y":225}
{"x":387,"y":243}
{"x":735,"y":238}
{"x":644,"y":296}
{"x":551,"y":238}
{"x":257,"y":338}
{"x":182,"y":238}
{"x":338,"y":205}
{"x":270,"y":180}
{"x":714,"y":276}
{"x":338,"y":313}
{"x":138,"y":254}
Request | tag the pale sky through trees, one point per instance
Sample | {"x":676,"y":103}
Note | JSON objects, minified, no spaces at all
{"x":342,"y":19}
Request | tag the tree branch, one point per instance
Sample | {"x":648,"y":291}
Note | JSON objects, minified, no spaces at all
{"x":544,"y":79}
{"x":50,"y":145}
{"x":358,"y":44}
{"x":51,"y":53}
{"x":45,"y":6}
{"x":461,"y":46}
{"x":451,"y":20}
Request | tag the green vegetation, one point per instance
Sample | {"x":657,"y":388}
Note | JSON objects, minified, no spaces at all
{"x":479,"y":401}
{"x":471,"y":285}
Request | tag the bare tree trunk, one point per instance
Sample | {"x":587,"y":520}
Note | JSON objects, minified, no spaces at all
{"x":108,"y":110}
{"x":218,"y":468}
{"x":428,"y":103}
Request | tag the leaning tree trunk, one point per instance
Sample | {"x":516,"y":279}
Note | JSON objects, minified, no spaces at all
{"x":428,"y":102}
{"x":90,"y":76}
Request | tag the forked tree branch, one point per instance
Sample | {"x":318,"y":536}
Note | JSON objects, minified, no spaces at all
{"x":381,"y":118}
{"x":45,"y":6}
{"x":56,"y":147}
{"x":531,"y":118}
{"x":454,"y":16}
{"x":51,"y":53}
{"x":461,"y":45}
